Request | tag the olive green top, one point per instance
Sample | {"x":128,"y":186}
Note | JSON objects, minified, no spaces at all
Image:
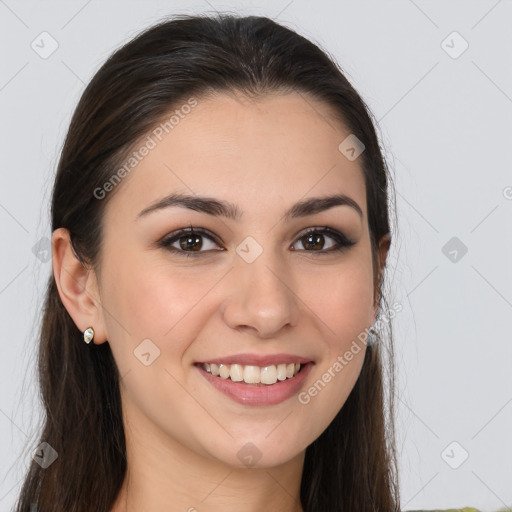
{"x":467,"y":509}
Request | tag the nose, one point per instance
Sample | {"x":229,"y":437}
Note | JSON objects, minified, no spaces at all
{"x":261,"y":297}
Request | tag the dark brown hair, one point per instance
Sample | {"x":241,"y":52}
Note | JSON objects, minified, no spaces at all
{"x":352,"y":465}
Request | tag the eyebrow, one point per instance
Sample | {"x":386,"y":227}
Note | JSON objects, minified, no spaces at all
{"x":216,"y":207}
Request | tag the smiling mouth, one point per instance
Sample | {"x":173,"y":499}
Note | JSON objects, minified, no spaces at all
{"x":250,"y":374}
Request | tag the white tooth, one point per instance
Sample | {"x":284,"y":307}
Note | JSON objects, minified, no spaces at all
{"x":224,"y":371}
{"x":252,"y":374}
{"x":214,"y":368}
{"x":290,"y":369}
{"x":236,"y":372}
{"x":269,"y":374}
{"x":206,"y":366}
{"x":281,"y":371}
{"x":297,"y":368}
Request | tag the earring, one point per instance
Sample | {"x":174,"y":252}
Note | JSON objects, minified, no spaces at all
{"x":88,"y":335}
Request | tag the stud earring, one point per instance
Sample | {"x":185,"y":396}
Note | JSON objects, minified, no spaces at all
{"x":88,"y":335}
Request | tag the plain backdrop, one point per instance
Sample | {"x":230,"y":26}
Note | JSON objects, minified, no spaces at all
{"x":438,"y":79}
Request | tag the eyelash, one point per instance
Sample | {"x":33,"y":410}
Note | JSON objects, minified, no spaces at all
{"x":342,"y":241}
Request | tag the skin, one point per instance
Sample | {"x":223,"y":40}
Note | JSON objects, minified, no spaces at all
{"x":182,"y":434}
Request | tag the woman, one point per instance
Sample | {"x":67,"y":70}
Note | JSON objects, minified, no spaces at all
{"x":220,"y":231}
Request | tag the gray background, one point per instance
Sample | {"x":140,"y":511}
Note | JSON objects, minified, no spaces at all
{"x":446,"y":123}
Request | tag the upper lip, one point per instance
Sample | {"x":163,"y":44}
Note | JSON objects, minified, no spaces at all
{"x":258,"y":360}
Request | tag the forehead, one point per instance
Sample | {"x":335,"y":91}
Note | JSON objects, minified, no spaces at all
{"x":264,"y":153}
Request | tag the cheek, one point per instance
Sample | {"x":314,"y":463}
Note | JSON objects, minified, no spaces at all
{"x":158,"y":301}
{"x":341,"y":299}
{"x":342,"y":309}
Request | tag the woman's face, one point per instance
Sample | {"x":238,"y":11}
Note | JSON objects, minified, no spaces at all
{"x":254,"y":291}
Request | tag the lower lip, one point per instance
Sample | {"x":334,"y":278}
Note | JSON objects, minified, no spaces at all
{"x":258,"y":394}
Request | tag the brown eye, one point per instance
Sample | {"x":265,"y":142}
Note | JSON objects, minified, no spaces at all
{"x":189,"y":242}
{"x":314,"y":240}
{"x":192,"y":242}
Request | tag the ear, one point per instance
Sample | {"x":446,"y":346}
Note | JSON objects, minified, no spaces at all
{"x":77,"y":285}
{"x":382,"y":252}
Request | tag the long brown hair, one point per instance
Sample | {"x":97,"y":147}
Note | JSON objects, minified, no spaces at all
{"x":352,"y":466}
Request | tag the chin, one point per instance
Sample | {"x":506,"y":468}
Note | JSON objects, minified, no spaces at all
{"x":257,"y":454}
